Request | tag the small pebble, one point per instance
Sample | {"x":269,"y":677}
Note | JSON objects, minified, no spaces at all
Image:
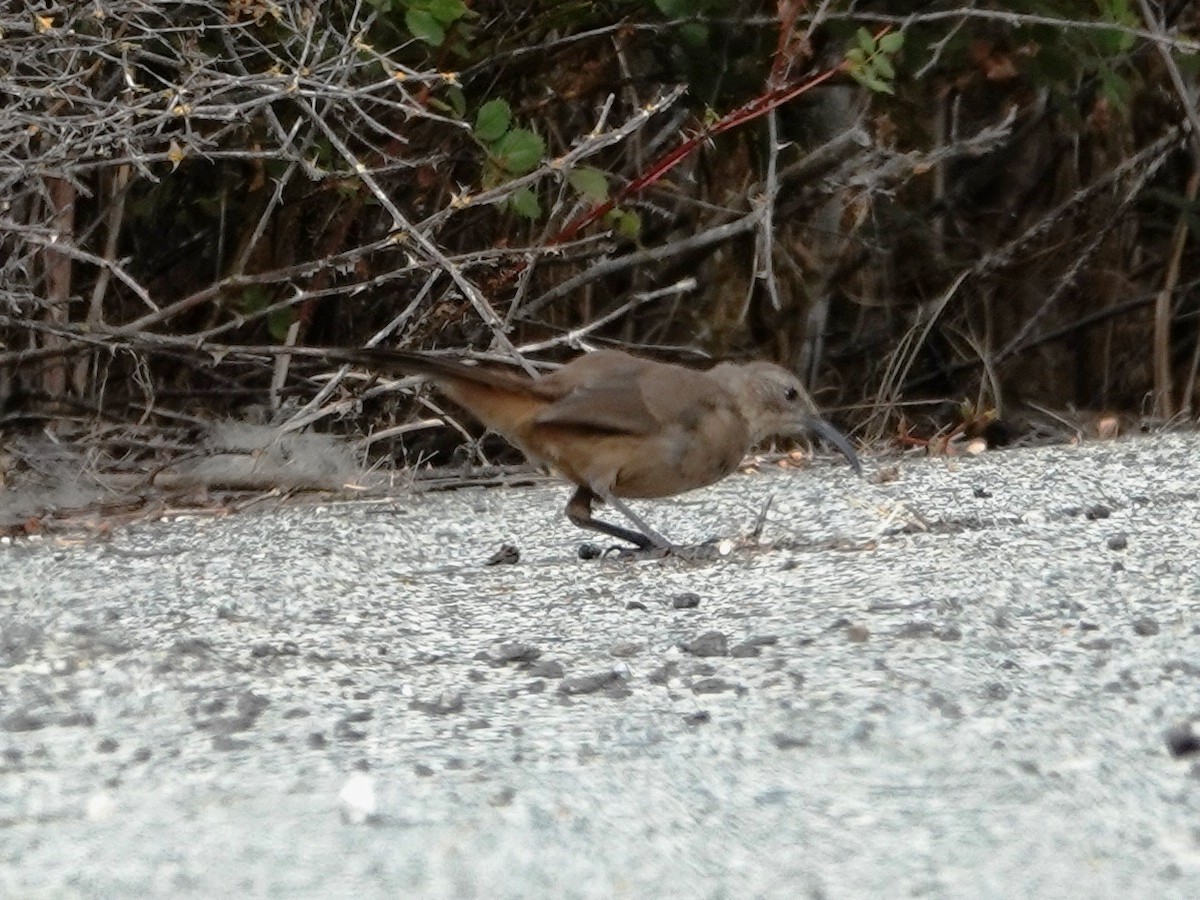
{"x":1182,"y":740}
{"x":513,"y":651}
{"x":623,"y":649}
{"x":506,"y":556}
{"x":546,"y":669}
{"x":1145,"y":627}
{"x":789,"y":741}
{"x":712,"y":686}
{"x":588,"y":684}
{"x":711,"y":643}
{"x":858,"y":634}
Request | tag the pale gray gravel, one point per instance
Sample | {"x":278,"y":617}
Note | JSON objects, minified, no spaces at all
{"x":952,"y":684}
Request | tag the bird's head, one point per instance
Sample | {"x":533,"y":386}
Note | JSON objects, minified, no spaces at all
{"x":774,"y":402}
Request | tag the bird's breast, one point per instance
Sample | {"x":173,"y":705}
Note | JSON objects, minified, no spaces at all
{"x":684,"y":455}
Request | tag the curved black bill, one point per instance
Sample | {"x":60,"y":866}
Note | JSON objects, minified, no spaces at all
{"x":834,"y":438}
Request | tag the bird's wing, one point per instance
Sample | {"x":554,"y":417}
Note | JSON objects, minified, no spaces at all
{"x":614,"y":406}
{"x":618,"y":393}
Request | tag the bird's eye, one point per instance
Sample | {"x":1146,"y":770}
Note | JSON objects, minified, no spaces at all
{"x":790,"y":394}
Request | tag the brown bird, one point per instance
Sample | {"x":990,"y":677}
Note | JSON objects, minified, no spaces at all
{"x":621,"y":426}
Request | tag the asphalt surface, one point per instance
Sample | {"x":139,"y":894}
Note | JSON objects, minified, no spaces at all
{"x":969,"y":677}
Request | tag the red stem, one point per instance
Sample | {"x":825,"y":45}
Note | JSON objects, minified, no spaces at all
{"x":747,"y":112}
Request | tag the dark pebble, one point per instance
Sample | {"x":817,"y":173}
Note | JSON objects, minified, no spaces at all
{"x":77,"y":720}
{"x":981,"y":492}
{"x":513,"y":651}
{"x":1182,"y":741}
{"x":711,"y":643}
{"x":1098,"y":511}
{"x":685,"y":601}
{"x":636,"y":604}
{"x":588,"y":684}
{"x":502,"y":797}
{"x":1118,"y":542}
{"x":448,"y":702}
{"x":107,"y":745}
{"x":994,"y":690}
{"x":22,"y":720}
{"x":507,"y":555}
{"x":546,"y":669}
{"x":589,"y":551}
{"x":701,"y":717}
{"x":1145,"y":627}
{"x":344,"y":732}
{"x":789,"y":741}
{"x":712,"y":686}
{"x":662,"y":674}
{"x":753,"y":646}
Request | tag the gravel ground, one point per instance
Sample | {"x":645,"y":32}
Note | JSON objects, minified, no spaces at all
{"x":963,"y":678}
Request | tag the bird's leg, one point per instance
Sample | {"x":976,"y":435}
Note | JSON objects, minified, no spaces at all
{"x":579,"y":511}
{"x":656,"y":539}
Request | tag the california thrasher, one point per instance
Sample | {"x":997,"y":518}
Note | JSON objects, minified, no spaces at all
{"x":619,"y":425}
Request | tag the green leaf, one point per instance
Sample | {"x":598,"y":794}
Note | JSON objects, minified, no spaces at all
{"x":525,"y":203}
{"x":865,"y":40}
{"x":253,"y":298}
{"x":675,"y":9}
{"x":492,"y":121}
{"x":447,"y":11}
{"x":423,"y":26}
{"x":856,"y":57}
{"x":877,"y":84}
{"x":693,"y":35}
{"x":279,"y":321}
{"x":892,"y":41}
{"x":457,"y":100}
{"x":589,"y":182}
{"x":884,"y":68}
{"x":1117,"y":89}
{"x":629,"y":225}
{"x":520,"y":151}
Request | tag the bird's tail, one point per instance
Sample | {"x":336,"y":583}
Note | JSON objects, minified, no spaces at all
{"x":409,"y":362}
